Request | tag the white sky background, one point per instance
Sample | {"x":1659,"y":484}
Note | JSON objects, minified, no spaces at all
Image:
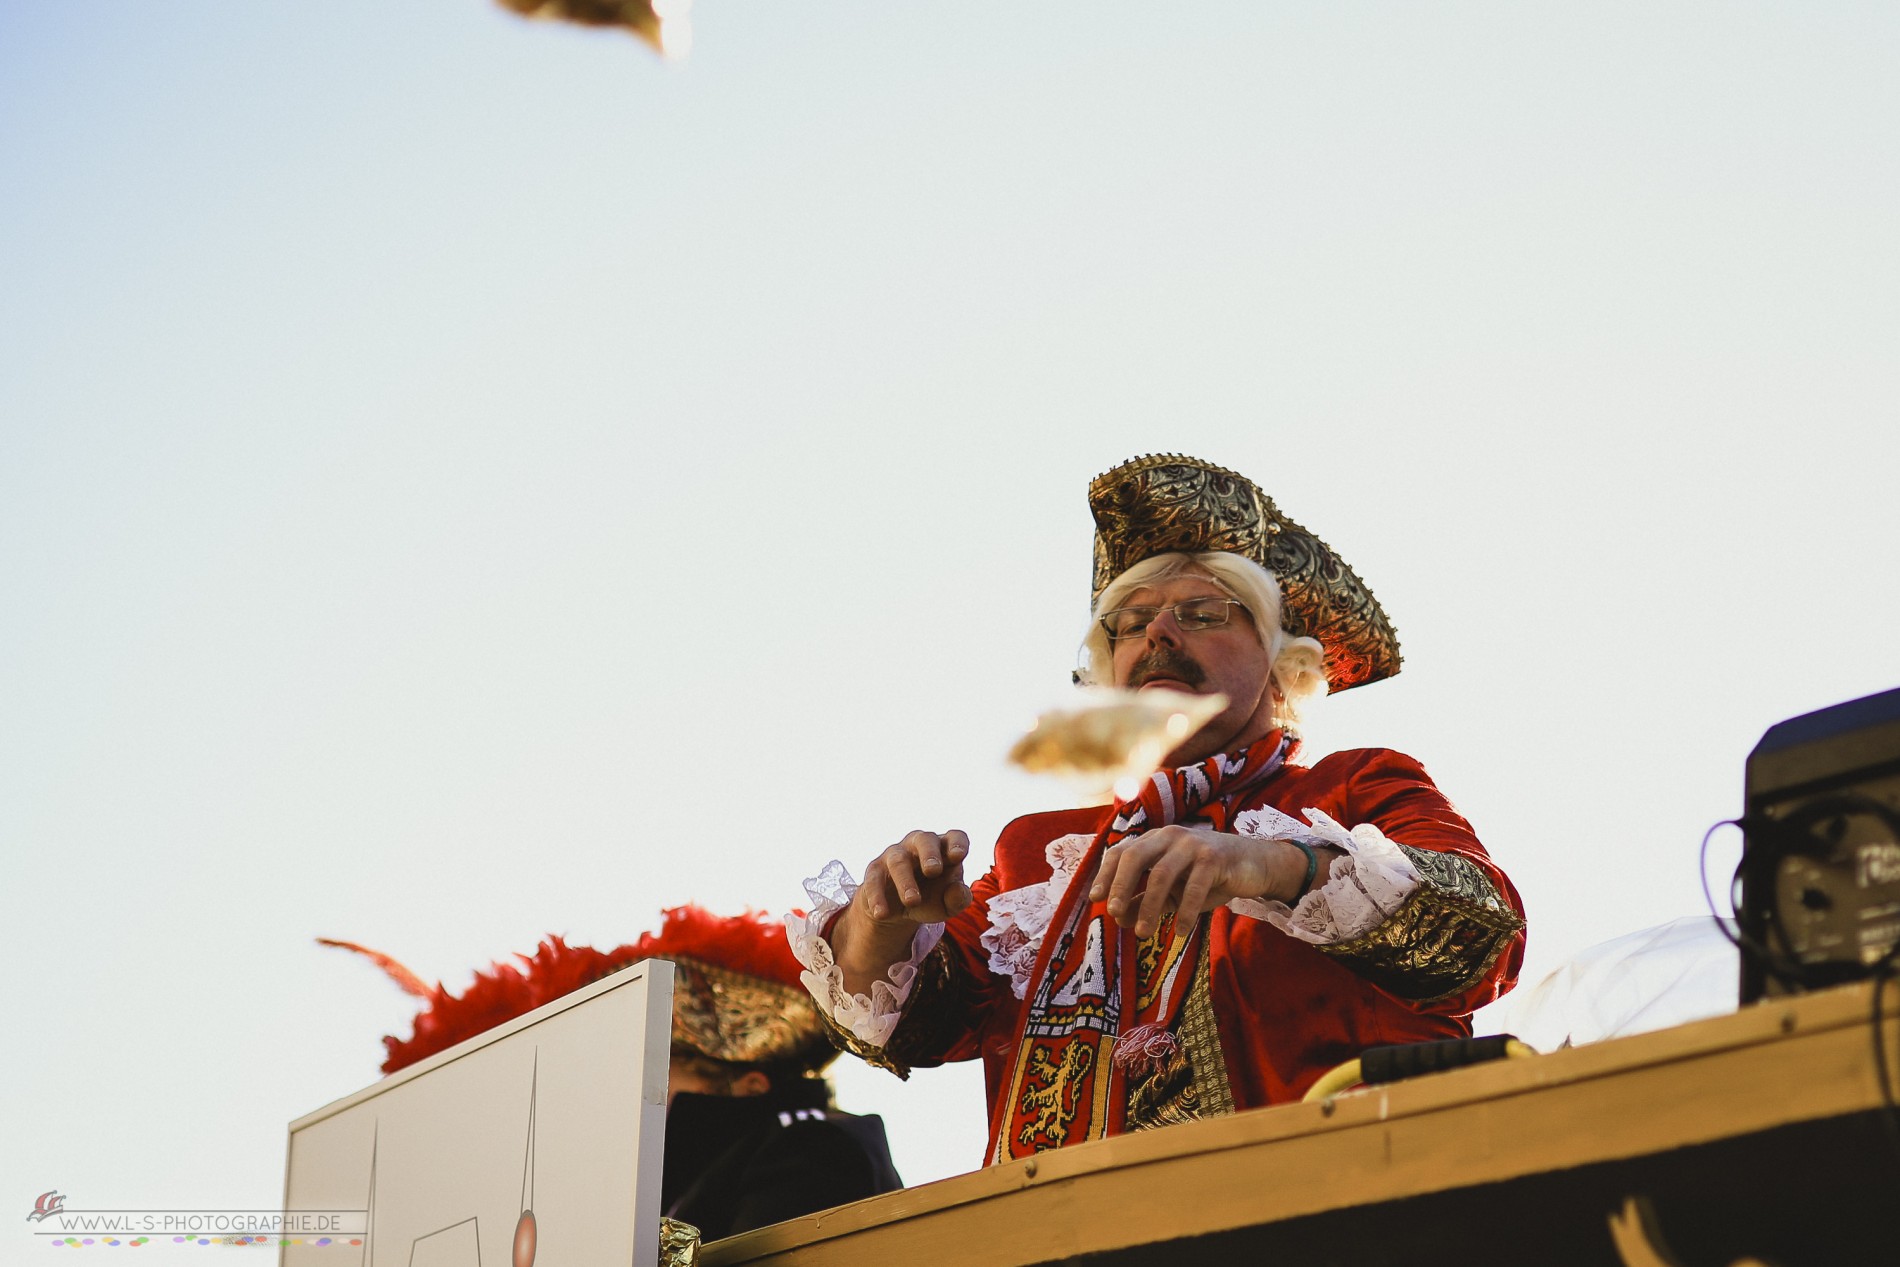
{"x":462,"y":479}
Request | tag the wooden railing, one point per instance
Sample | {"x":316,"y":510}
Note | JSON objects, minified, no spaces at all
{"x":1756,"y":1137}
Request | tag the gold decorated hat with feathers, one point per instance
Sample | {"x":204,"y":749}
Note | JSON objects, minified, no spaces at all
{"x":737,"y":995}
{"x":1168,"y":502}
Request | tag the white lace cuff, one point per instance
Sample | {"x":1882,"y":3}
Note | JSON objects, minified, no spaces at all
{"x":872,"y":1017}
{"x":1363,"y":890}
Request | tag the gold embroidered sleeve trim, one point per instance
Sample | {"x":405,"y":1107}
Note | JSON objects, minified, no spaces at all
{"x":1443,"y":939}
{"x":1454,"y":873}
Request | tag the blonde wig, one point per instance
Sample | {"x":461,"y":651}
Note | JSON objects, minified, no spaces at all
{"x":1299,"y":664}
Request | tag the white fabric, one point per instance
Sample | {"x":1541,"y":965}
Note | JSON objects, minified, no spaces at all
{"x":1364,"y":887}
{"x":870,"y":1017}
{"x":1020,"y":917}
{"x":1668,"y":975}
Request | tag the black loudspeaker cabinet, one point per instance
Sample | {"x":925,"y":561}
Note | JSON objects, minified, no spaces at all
{"x":1820,"y":876}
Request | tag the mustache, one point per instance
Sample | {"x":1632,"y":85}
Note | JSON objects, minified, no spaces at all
{"x":1164,"y":661}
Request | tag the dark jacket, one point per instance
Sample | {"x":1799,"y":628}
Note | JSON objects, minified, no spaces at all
{"x":738,"y":1162}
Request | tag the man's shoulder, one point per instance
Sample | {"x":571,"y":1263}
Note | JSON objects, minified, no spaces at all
{"x":1349,"y":766}
{"x":1352,"y":759}
{"x":829,"y":1131}
{"x":1032,"y":832}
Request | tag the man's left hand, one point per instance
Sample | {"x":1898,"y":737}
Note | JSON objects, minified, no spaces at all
{"x":1190,"y":870}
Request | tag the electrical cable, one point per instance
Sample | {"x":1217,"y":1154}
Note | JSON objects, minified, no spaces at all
{"x":1889,"y":1108}
{"x":1401,"y":1060}
{"x":1708,"y":897}
{"x":1795,"y":837}
{"x":1786,"y":973}
{"x":1786,"y":969}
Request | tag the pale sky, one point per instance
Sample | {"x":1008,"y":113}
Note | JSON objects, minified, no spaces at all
{"x":463,"y":479}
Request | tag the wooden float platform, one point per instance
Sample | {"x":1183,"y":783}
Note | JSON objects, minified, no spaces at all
{"x":1753,"y":1138}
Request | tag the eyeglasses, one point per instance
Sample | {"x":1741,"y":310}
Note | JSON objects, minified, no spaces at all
{"x":1192,"y":614}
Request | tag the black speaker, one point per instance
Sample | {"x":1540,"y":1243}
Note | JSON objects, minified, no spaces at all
{"x":1820,"y":874}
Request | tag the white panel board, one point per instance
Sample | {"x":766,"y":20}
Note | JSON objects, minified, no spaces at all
{"x":561,"y":1112}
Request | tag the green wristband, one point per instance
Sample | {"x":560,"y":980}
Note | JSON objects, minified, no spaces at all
{"x":1312,"y":870}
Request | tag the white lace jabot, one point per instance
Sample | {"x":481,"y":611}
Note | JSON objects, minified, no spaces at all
{"x":1020,"y":917}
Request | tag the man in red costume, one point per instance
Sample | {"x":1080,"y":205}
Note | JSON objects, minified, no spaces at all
{"x":1220,"y":939}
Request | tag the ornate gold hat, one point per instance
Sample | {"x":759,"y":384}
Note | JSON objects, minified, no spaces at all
{"x":745,"y":1019}
{"x":1168,"y":502}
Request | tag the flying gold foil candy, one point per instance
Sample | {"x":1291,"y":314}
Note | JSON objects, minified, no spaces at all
{"x":1113,"y":738}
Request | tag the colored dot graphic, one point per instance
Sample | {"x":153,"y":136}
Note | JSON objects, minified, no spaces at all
{"x":137,"y":1241}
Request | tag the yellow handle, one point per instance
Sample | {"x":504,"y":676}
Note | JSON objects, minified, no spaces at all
{"x":1340,"y":1077}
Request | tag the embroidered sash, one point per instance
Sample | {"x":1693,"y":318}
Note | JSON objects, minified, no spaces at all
{"x":1093,"y":977}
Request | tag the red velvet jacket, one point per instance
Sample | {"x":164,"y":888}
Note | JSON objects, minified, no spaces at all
{"x":1287,"y":1011}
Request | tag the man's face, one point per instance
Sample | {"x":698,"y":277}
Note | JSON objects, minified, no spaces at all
{"x":706,"y":1077}
{"x":685,"y":1074}
{"x":1226,"y":660}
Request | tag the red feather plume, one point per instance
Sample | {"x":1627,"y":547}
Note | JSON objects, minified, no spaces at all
{"x":752,"y":944}
{"x":409,"y":981}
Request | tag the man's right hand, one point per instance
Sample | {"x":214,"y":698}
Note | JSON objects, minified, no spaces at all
{"x":918,"y":880}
